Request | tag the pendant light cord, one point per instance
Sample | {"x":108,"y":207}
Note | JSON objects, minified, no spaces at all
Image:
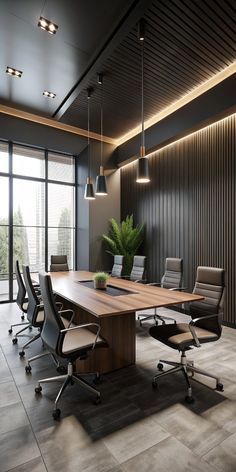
{"x":142,"y":92}
{"x":101,"y":122}
{"x":88,"y":134}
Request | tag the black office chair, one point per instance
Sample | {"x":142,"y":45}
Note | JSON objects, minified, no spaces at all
{"x":35,"y":309}
{"x":204,"y":327}
{"x":58,"y":264}
{"x":172,"y":280}
{"x":22,"y":304}
{"x":117,"y":268}
{"x":70,"y":343}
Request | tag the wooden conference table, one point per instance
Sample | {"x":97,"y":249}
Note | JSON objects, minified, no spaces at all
{"x":114,"y":309}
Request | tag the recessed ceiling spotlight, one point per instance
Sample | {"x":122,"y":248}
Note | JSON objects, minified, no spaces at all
{"x":47,"y":25}
{"x":13,"y":72}
{"x":49,"y":94}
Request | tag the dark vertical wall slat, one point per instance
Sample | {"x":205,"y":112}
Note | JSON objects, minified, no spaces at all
{"x":189,"y":206}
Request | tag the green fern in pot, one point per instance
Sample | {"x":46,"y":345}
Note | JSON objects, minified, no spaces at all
{"x":124,"y":239}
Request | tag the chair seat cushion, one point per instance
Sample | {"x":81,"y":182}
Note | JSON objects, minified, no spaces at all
{"x":77,"y":339}
{"x":178,"y":336}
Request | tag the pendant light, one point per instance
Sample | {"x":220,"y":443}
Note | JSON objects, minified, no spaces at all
{"x":143,"y":168}
{"x":101,"y":183}
{"x":89,"y":192}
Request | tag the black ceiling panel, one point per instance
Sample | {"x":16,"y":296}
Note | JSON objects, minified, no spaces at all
{"x":187,"y":42}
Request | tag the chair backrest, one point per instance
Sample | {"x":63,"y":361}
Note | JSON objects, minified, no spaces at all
{"x":138,"y":269}
{"x":173,"y":276}
{"x":210,"y":284}
{"x":58,"y":263}
{"x":21,"y":287}
{"x":33,"y":302}
{"x":117,"y":266}
{"x":50,"y":334}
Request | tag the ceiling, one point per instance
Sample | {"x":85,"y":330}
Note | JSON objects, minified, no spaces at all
{"x":187,"y":42}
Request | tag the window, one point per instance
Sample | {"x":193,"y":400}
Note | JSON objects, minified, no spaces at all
{"x":28,"y":162}
{"x":4,"y":158}
{"x":42,"y":211}
{"x":61,"y":207}
{"x":4,"y":239}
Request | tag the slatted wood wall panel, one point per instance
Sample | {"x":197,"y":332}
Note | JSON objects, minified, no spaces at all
{"x":189,"y":206}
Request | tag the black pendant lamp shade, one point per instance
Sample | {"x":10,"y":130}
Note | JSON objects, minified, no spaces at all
{"x":143,"y":165}
{"x":89,"y":192}
{"x":101,"y":182}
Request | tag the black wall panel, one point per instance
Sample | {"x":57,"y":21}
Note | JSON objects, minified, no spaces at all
{"x":189,"y":205}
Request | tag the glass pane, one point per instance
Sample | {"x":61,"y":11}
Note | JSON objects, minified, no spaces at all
{"x":28,"y":203}
{"x":60,"y":205}
{"x":4,"y":158}
{"x":61,"y":242}
{"x":4,"y":276}
{"x":29,"y":162}
{"x":61,"y":168}
{"x":29,"y":247}
{"x":4,"y":200}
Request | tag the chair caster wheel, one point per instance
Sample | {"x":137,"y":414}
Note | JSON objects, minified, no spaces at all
{"x":21,"y":353}
{"x":30,"y":328}
{"x":97,"y":401}
{"x":189,"y":399}
{"x":154,"y":384}
{"x":56,"y":414}
{"x":28,"y":369}
{"x":61,"y":369}
{"x":38,"y":389}
{"x":22,"y":317}
{"x":10,"y":331}
{"x":220,"y":387}
{"x":14,"y":341}
{"x":160,"y":366}
{"x":97,"y":379}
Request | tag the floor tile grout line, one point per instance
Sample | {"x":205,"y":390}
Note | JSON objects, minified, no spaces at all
{"x":35,"y":437}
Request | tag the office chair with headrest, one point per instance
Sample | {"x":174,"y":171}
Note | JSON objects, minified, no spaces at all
{"x":205,"y":327}
{"x":117,"y":266}
{"x":35,"y":313}
{"x":138,"y":271}
{"x":70,"y":343}
{"x":59,"y":263}
{"x":35,"y":316}
{"x":172,"y":280}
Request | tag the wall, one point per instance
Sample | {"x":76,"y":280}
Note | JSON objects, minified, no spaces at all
{"x":189,"y":205}
{"x":93,"y":216}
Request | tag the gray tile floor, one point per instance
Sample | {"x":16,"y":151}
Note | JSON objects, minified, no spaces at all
{"x":134,"y":429}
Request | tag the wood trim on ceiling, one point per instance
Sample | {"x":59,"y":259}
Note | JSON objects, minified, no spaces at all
{"x":53,"y":124}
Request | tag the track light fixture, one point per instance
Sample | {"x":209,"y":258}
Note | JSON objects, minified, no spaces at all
{"x":143,"y":167}
{"x":101,"y":184}
{"x":47,"y":25}
{"x":13,"y":72}
{"x":89,"y":192}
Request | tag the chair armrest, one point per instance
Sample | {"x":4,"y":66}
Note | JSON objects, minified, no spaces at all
{"x":85,"y":325}
{"x":195,"y":320}
{"x":67,"y":311}
{"x":205,"y":317}
{"x":140,"y":281}
{"x":155,"y":284}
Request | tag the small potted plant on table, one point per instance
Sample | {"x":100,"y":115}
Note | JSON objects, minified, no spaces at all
{"x":100,"y":280}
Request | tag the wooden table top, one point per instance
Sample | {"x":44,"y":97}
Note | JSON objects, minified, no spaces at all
{"x":100,"y":304}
